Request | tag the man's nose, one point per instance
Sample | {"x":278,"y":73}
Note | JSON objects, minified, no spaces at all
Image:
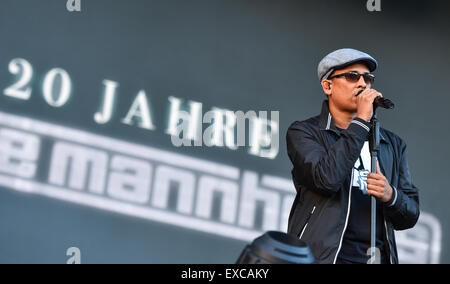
{"x":361,"y":82}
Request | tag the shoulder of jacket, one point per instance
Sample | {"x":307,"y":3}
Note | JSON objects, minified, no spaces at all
{"x":305,"y":124}
{"x":393,"y":138}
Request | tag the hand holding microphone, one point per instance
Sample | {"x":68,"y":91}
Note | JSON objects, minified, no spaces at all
{"x":367,"y":99}
{"x":364,"y":102}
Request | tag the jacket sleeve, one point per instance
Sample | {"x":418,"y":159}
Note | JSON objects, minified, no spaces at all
{"x":404,"y":212}
{"x":321,"y":170}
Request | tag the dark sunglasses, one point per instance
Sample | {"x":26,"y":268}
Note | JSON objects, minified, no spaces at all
{"x":353,"y":77}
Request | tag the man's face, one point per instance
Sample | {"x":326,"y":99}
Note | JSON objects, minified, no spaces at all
{"x":342,"y":93}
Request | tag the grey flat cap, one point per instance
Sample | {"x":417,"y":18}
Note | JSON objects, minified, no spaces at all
{"x":341,"y":58}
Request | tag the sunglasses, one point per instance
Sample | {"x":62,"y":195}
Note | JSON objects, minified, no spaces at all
{"x":353,"y":77}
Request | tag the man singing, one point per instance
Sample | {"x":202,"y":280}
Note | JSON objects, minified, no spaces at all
{"x":332,"y":175}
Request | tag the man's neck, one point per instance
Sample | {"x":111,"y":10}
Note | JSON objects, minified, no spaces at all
{"x":342,"y":119}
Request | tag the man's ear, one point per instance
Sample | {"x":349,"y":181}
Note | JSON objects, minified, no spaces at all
{"x":326,"y":86}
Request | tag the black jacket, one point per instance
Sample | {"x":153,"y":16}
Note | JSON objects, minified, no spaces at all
{"x":323,"y":159}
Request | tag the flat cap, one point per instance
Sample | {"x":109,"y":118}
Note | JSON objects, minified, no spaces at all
{"x":342,"y":58}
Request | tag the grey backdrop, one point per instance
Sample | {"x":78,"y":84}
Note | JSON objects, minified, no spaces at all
{"x":235,"y":54}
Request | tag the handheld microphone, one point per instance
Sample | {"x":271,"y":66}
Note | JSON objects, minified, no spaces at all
{"x":380,"y":102}
{"x":384,"y":103}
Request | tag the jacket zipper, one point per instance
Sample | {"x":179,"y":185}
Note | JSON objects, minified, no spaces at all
{"x":346,"y":218}
{"x":389,"y":243}
{"x":306,"y":225}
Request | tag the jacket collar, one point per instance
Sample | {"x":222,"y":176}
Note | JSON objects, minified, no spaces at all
{"x":326,"y":121}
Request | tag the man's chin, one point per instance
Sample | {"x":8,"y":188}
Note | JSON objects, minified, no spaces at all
{"x":352,"y":109}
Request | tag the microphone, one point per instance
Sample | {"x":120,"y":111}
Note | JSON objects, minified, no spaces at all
{"x":384,"y":103}
{"x":380,"y":102}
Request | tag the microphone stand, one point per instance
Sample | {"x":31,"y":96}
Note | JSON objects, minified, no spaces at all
{"x":374,"y":145}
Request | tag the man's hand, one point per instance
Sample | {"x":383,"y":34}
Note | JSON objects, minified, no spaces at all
{"x":378,"y":186}
{"x":364,"y":103}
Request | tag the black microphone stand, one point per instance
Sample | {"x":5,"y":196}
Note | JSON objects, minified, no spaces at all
{"x":374,"y":145}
